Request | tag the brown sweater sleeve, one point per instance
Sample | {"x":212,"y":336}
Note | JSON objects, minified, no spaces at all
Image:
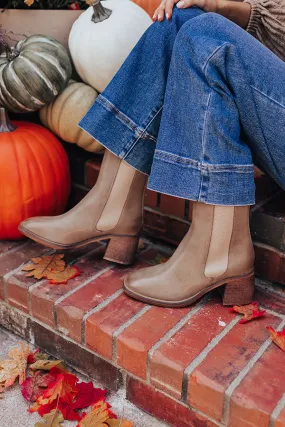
{"x":267,"y":24}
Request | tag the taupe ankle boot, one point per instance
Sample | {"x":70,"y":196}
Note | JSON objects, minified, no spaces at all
{"x":112,"y":210}
{"x":217,"y":251}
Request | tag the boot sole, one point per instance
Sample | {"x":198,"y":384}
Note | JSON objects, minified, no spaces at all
{"x":237,"y":290}
{"x":120,"y":249}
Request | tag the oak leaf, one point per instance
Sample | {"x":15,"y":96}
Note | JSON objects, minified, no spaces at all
{"x":11,"y":369}
{"x":119,"y":423}
{"x":42,"y":266}
{"x":250,"y":311}
{"x":278,"y":337}
{"x":44,"y":365}
{"x":53,"y":419}
{"x":97,"y":417}
{"x":62,"y":277}
{"x":34,"y":386}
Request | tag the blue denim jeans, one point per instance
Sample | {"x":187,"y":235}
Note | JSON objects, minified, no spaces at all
{"x":195,"y":105}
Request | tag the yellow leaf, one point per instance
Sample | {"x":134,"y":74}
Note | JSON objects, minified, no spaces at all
{"x":44,"y":265}
{"x":11,"y":369}
{"x":53,"y":419}
{"x":44,"y":365}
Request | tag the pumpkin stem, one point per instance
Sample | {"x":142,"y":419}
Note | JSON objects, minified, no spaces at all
{"x":100,"y":13}
{"x":5,"y":124}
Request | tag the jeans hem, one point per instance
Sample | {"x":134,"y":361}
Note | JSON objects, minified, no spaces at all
{"x":223,"y":187}
{"x":105,"y":124}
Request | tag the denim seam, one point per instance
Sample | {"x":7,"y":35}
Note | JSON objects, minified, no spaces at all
{"x":124,"y":119}
{"x":266,"y":96}
{"x":190,"y":163}
{"x":142,"y":135}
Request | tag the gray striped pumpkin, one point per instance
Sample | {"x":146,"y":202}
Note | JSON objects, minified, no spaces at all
{"x":33,"y":74}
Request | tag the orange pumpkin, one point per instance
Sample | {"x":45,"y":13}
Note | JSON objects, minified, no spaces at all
{"x":149,"y":6}
{"x":34,"y":174}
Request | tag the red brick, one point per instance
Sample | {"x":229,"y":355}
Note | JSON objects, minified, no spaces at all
{"x":270,"y":300}
{"x":18,"y":285}
{"x":209,"y":381}
{"x":134,"y":342}
{"x":6,"y":246}
{"x":269,"y":263}
{"x":150,"y":198}
{"x":100,"y":326}
{"x":44,"y":296}
{"x":280,"y":422}
{"x":12,"y":260}
{"x":163,"y":407}
{"x":172,"y":357}
{"x":71,"y":310}
{"x":171,"y":230}
{"x":92,"y":170}
{"x":172,"y":205}
{"x":255,"y":398}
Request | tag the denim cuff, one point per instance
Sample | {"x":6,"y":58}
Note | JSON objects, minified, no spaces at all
{"x":119,"y":134}
{"x":227,"y":185}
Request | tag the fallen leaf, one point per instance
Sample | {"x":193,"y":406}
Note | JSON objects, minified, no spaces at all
{"x":64,"y":388}
{"x":62,"y":277}
{"x":53,"y":419}
{"x":34,"y":386}
{"x":42,"y":266}
{"x":250,"y":311}
{"x":33,"y":357}
{"x":45,"y":365}
{"x":97,"y":417}
{"x":119,"y":423}
{"x":11,"y":369}
{"x":88,"y":395}
{"x":278,"y":337}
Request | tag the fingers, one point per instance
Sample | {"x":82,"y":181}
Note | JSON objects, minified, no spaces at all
{"x":184,"y":4}
{"x":169,"y":8}
{"x":160,"y":12}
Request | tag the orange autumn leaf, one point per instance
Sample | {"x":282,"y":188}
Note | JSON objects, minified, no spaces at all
{"x":53,"y":268}
{"x":250,"y":311}
{"x":44,"y":265}
{"x":278,"y":337}
{"x":119,"y":423}
{"x":62,"y":277}
{"x":11,"y":369}
{"x":97,"y":417}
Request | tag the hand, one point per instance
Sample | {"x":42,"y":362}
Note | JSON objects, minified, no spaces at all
{"x":166,"y":7}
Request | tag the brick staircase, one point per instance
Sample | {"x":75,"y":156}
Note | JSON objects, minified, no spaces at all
{"x":192,"y":367}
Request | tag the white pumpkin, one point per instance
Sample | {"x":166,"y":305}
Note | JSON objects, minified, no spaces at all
{"x":103,"y":36}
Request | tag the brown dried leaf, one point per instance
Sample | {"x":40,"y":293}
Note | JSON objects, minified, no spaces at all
{"x":11,"y":369}
{"x":53,"y":419}
{"x":42,"y":266}
{"x":44,"y":365}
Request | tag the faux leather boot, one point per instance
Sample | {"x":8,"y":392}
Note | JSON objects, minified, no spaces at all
{"x":217,"y":252}
{"x":112,"y":210}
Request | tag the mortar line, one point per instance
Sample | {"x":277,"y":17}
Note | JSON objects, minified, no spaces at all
{"x":68,"y":339}
{"x":99,"y":307}
{"x":173,"y":331}
{"x":265,"y":286}
{"x":232,"y":387}
{"x":202,"y":356}
{"x":21,"y":245}
{"x":277,"y":411}
{"x":272,"y":312}
{"x":125,"y":326}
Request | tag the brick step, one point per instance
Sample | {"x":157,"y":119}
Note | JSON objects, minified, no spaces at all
{"x":189,"y":367}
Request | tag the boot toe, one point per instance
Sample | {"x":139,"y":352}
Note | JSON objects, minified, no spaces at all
{"x":36,"y":228}
{"x":142,"y":284}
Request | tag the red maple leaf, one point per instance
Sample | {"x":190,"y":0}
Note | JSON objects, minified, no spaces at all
{"x":278,"y":337}
{"x":250,"y":311}
{"x":34,"y":386}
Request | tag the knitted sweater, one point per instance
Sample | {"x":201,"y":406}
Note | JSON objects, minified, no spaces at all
{"x":267,"y":24}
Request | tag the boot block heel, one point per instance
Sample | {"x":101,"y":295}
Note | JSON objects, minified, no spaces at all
{"x":239,"y":291}
{"x":122,"y":250}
